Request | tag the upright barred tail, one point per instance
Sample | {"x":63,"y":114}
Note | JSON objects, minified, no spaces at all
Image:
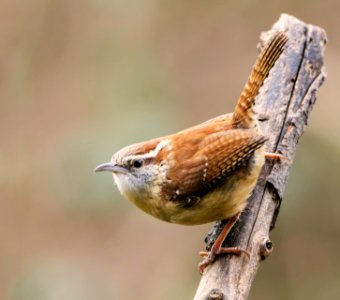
{"x":243,"y":114}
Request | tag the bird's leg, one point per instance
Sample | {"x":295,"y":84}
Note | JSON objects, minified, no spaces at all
{"x":217,"y":248}
{"x":275,"y":156}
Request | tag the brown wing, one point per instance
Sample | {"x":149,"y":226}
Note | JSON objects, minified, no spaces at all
{"x":213,"y":158}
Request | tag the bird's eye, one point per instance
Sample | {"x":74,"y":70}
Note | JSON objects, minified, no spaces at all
{"x":137,"y":163}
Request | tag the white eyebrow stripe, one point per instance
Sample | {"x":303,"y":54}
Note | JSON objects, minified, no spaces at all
{"x":153,"y":153}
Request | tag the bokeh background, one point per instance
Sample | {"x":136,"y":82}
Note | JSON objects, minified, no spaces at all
{"x":81,"y":79}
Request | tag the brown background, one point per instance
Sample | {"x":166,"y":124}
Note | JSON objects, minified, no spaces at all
{"x":81,"y":79}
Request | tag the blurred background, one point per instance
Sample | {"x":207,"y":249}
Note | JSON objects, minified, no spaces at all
{"x":81,"y":79}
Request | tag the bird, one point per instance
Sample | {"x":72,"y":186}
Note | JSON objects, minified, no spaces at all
{"x":206,"y":172}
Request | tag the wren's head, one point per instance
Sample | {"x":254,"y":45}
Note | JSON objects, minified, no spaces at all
{"x":136,"y":170}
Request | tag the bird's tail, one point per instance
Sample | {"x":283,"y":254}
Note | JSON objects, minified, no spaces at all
{"x":243,"y":115}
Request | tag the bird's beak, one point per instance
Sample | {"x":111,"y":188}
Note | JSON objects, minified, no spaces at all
{"x":110,"y":167}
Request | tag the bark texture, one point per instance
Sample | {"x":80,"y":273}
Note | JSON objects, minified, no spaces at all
{"x":287,"y":98}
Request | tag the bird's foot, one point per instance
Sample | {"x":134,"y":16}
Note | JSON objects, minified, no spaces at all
{"x":211,"y":255}
{"x":275,"y":156}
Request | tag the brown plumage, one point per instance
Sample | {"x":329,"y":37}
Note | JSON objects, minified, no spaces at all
{"x":243,"y":115}
{"x":213,"y":157}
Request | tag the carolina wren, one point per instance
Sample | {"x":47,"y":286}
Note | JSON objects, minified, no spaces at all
{"x":206,"y":172}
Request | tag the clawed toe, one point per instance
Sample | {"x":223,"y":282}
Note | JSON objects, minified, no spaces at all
{"x":210,"y":256}
{"x":204,"y":253}
{"x":276,"y":156}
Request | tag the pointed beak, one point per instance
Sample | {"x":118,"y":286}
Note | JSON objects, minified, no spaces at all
{"x":110,"y":167}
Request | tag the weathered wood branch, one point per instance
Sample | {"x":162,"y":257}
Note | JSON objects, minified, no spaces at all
{"x":287,"y":97}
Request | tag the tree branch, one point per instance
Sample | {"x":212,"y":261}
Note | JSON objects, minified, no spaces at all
{"x":287,"y":97}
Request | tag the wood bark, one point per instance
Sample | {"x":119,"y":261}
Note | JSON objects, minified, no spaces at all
{"x":284,"y":104}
